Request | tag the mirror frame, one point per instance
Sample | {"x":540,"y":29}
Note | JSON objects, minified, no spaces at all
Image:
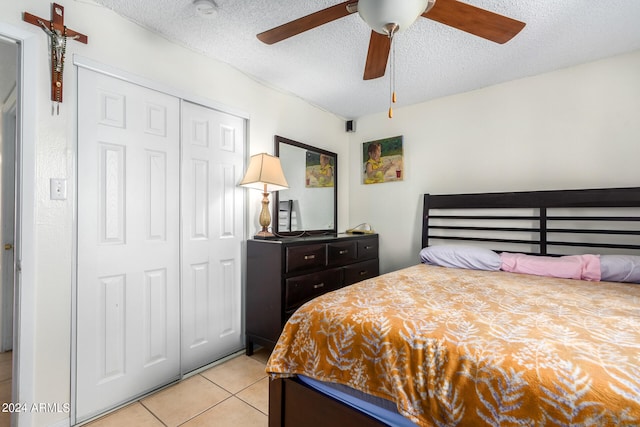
{"x":299,"y":233}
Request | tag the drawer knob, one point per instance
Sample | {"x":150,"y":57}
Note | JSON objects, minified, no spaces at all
{"x":344,"y":251}
{"x":368,"y":247}
{"x":363,"y":272}
{"x":309,"y":256}
{"x":318,"y":286}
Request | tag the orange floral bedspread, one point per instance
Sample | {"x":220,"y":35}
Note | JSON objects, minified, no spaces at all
{"x":459,"y":347}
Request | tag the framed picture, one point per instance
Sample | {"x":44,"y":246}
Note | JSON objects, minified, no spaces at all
{"x":319,"y":171}
{"x":383,"y":160}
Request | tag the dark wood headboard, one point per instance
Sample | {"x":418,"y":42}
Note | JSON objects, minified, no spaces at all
{"x":539,"y":222}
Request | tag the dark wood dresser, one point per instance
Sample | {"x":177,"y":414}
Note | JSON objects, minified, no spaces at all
{"x":283,"y":274}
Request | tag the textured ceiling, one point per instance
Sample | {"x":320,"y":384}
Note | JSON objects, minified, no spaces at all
{"x":325,"y":65}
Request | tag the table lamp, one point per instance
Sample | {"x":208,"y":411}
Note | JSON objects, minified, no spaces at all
{"x":264,"y":173}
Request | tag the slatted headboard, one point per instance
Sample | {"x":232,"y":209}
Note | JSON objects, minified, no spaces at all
{"x":537,"y":222}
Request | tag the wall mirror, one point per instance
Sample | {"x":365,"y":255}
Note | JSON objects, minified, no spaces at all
{"x":309,"y":205}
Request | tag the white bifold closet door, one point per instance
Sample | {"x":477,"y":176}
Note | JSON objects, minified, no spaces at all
{"x":160,"y":230}
{"x":213,"y":224}
{"x":128,"y":280}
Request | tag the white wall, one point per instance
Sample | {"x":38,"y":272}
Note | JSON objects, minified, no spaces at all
{"x":121,"y":44}
{"x":573,"y":128}
{"x":499,"y":138}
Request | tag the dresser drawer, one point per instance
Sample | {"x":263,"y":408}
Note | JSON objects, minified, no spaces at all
{"x":306,"y":257}
{"x":342,"y":253}
{"x":367,"y":249}
{"x":362,"y":270}
{"x":301,"y":289}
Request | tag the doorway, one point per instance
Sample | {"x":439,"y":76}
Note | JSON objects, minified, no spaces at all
{"x":18,"y":50}
{"x":8,"y":134}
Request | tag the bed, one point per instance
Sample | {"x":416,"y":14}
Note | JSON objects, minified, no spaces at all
{"x":432,"y":345}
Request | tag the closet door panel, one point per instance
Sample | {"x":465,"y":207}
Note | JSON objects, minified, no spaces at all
{"x":213,"y":231}
{"x":128,"y":274}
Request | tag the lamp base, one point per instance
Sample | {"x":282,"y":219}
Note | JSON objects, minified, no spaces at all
{"x":264,"y":235}
{"x":265,"y":219}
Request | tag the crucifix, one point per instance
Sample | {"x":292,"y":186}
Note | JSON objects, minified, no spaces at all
{"x":59,"y":33}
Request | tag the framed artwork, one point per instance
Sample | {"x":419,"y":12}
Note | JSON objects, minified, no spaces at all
{"x":383,"y":160}
{"x":319,"y":171}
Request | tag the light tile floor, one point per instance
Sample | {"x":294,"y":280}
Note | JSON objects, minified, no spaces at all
{"x":234,"y":394}
{"x":5,"y":385}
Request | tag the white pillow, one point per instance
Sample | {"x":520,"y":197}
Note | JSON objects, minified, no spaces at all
{"x":620,"y":268}
{"x":470,"y":257}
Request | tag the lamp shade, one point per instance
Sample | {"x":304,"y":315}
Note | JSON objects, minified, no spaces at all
{"x":379,"y":13}
{"x":264,"y":173}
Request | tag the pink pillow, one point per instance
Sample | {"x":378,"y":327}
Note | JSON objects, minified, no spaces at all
{"x":581,"y":267}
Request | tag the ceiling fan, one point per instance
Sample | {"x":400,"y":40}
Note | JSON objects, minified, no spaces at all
{"x":387,"y":17}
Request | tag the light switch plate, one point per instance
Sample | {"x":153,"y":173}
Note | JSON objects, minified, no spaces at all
{"x":58,"y":189}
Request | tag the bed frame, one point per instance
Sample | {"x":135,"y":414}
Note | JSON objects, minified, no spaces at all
{"x":538,"y":222}
{"x":545,"y":222}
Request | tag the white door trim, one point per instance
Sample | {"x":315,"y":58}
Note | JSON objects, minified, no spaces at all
{"x":24,"y":309}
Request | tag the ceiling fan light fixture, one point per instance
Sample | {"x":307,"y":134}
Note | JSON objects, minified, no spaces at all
{"x":378,"y":14}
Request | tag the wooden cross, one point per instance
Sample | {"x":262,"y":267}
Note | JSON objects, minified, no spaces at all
{"x":59,"y":34}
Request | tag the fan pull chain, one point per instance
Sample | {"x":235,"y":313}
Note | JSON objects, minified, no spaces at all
{"x":392,"y":77}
